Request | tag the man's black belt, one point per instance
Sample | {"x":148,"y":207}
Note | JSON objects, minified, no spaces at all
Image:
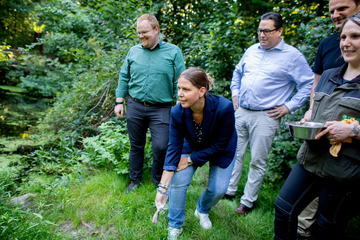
{"x":149,"y":104}
{"x":263,"y":110}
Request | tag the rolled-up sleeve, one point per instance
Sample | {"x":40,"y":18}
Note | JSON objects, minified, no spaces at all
{"x":176,"y":140}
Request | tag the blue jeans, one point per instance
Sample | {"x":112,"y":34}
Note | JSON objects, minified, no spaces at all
{"x":218,"y":182}
{"x":338,"y":203}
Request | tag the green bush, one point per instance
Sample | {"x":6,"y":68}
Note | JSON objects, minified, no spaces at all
{"x":110,"y":149}
{"x":60,"y":157}
{"x":312,"y":33}
{"x":44,"y":76}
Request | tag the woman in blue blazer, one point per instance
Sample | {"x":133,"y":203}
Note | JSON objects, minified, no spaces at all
{"x":202,"y":129}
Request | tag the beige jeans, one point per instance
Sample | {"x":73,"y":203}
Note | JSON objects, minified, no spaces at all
{"x":257,"y":129}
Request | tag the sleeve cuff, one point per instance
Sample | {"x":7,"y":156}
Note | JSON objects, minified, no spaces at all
{"x":234,"y":93}
{"x":121,"y":94}
{"x":291,"y":106}
{"x":170,"y":168}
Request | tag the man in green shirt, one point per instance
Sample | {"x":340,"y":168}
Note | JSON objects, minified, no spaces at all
{"x":149,"y":77}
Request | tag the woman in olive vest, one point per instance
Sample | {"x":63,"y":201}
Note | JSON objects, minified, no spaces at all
{"x":328,"y":167}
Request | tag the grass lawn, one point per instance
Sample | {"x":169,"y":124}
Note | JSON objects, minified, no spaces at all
{"x":95,"y":207}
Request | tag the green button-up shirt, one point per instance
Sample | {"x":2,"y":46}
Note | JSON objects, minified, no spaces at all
{"x":151,"y":75}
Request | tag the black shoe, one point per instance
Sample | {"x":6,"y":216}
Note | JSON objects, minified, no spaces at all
{"x":133,"y":185}
{"x":229,"y":197}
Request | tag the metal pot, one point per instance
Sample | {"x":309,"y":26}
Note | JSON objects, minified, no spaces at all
{"x":308,"y":130}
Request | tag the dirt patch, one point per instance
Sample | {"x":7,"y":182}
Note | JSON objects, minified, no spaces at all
{"x":87,"y":230}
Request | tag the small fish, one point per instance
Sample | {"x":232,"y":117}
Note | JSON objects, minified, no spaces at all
{"x":160,"y":202}
{"x":156,"y":216}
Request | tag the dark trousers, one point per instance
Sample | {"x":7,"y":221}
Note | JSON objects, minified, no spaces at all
{"x":338,"y":203}
{"x":139,"y":118}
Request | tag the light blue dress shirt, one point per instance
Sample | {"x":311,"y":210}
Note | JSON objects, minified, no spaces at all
{"x":264,"y":79}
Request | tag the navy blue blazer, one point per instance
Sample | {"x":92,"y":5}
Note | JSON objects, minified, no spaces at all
{"x":219,"y":136}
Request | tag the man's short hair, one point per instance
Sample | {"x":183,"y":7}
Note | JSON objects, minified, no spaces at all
{"x":276,"y":17}
{"x":151,"y":18}
{"x":356,"y":2}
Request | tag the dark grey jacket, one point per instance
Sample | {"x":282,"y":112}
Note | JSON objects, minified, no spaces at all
{"x":333,"y":101}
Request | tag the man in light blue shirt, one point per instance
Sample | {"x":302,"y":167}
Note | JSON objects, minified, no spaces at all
{"x":261,"y":86}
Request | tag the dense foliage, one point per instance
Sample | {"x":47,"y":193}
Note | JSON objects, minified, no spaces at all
{"x":72,"y":51}
{"x":85,"y":42}
{"x":17,"y":21}
{"x":110,"y":149}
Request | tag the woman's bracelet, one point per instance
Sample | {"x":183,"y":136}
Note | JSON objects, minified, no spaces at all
{"x":163,"y":186}
{"x":161,"y":191}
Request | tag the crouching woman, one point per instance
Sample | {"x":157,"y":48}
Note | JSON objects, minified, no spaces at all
{"x":202,"y":129}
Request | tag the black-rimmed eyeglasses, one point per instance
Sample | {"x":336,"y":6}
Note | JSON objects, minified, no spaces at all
{"x":143,"y":32}
{"x":266,"y":32}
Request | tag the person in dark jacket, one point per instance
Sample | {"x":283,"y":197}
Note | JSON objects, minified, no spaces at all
{"x":328,"y":56}
{"x":319,"y":172}
{"x":202,"y":129}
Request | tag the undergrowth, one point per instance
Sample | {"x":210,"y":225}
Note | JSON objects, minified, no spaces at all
{"x":17,"y":223}
{"x":95,"y":207}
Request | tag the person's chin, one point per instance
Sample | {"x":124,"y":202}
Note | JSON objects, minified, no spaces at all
{"x":351,"y":59}
{"x":263,"y":45}
{"x":338,"y":24}
{"x":145,"y":44}
{"x":184,"y":104}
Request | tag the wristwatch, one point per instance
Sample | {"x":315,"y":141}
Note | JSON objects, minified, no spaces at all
{"x":189,"y":161}
{"x":116,"y":103}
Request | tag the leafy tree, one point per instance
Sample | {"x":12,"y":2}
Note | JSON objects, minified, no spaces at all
{"x":91,"y":38}
{"x":16,"y":21}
